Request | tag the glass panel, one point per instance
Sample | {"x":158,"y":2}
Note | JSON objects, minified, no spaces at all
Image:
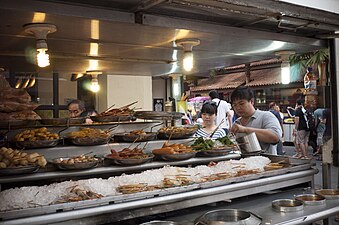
{"x":45,"y":114}
{"x":44,"y":83}
{"x":67,"y":89}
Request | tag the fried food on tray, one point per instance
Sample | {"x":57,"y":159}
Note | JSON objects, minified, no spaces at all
{"x":86,"y":132}
{"x":122,"y":111}
{"x":14,"y":158}
{"x":181,"y":130}
{"x":172,"y":149}
{"x":137,"y":132}
{"x":76,"y":159}
{"x":36,"y":135}
{"x":127,"y":153}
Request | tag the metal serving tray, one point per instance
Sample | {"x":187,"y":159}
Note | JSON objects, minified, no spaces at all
{"x":128,"y":137}
{"x":18,"y":170}
{"x":112,"y":118}
{"x":37,"y":144}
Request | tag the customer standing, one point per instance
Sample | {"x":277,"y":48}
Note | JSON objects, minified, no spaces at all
{"x":223,"y":111}
{"x":302,"y":130}
{"x":262,"y":123}
{"x":209,"y":129}
{"x":272,"y":109}
{"x":320,"y":124}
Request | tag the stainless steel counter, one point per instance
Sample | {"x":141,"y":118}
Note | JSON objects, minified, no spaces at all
{"x":111,"y":169}
{"x":150,"y":205}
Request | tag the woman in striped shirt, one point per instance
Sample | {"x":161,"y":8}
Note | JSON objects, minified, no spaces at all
{"x":208,"y":115}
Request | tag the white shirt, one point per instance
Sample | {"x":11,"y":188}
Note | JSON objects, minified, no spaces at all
{"x":221,"y":114}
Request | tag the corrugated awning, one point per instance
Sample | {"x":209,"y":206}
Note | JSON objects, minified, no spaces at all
{"x":228,"y":81}
{"x":271,"y":76}
{"x":262,"y":77}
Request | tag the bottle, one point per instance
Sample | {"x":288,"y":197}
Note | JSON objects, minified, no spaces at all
{"x":310,"y":81}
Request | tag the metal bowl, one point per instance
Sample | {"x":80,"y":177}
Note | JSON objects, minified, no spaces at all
{"x":6,"y":124}
{"x":216,"y":152}
{"x":75,"y":166}
{"x":37,"y":144}
{"x":19,"y":170}
{"x":128,"y":137}
{"x":129,"y":161}
{"x":112,"y":118}
{"x":311,"y":199}
{"x":155,"y":115}
{"x":63,"y":121}
{"x":176,"y":157}
{"x":167,"y":135}
{"x":328,"y":193}
{"x":87,"y":141}
{"x":228,"y":217}
{"x":159,"y":222}
{"x":287,"y":205}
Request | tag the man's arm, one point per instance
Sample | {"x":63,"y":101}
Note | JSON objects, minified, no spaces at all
{"x":229,"y":117}
{"x":264,"y":135}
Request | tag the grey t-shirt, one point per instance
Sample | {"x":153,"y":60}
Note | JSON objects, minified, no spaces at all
{"x":264,"y":120}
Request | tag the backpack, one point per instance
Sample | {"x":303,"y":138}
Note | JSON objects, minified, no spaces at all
{"x":310,"y":121}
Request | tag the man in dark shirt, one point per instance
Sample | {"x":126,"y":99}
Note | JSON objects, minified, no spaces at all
{"x":301,"y":129}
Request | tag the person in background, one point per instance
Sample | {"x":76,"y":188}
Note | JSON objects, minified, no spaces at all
{"x":272,"y":109}
{"x":223,"y":111}
{"x":208,"y":115}
{"x":301,"y":130}
{"x":263,"y":123}
{"x":320,"y":124}
{"x":76,"y":108}
{"x":291,"y":113}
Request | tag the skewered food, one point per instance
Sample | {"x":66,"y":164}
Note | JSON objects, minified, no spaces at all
{"x":86,"y":132}
{"x":137,"y":132}
{"x":181,"y":130}
{"x":122,"y":111}
{"x":36,"y":134}
{"x":14,"y":158}
{"x":172,"y":149}
{"x":127,"y":153}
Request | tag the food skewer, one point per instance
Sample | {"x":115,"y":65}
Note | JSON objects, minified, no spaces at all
{"x":126,"y":106}
{"x":109,"y":108}
{"x":217,"y":127}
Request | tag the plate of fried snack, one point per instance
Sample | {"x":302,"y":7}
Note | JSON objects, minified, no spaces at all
{"x":177,"y":132}
{"x":124,"y":113}
{"x":76,"y":162}
{"x":129,"y":157}
{"x":135,"y":136}
{"x":14,"y":161}
{"x":36,"y":138}
{"x":174,"y":152}
{"x":88,"y":136}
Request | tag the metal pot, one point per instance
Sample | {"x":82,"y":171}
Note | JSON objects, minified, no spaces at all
{"x":249,"y":143}
{"x":228,"y":217}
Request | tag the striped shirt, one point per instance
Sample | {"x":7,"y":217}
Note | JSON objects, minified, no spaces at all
{"x":217,"y":134}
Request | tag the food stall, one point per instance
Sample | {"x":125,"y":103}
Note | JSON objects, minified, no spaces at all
{"x":142,"y":48}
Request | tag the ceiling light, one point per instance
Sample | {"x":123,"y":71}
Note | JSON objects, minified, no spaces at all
{"x":285,"y":66}
{"x":188,"y":59}
{"x":95,"y":87}
{"x":40,"y":31}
